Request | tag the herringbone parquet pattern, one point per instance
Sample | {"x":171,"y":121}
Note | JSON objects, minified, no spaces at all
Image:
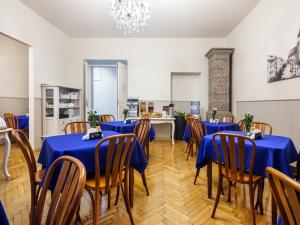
{"x":173,"y":197}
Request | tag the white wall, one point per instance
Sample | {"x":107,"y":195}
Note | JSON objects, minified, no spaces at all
{"x":50,"y":47}
{"x":270,"y":28}
{"x":150,"y":61}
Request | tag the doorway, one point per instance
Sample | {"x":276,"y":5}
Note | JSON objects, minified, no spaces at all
{"x":106,"y":86}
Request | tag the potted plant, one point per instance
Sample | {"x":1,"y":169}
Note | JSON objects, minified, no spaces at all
{"x":248,"y":122}
{"x":125,"y":112}
{"x":92,"y":118}
{"x":179,"y":125}
{"x":214,"y":114}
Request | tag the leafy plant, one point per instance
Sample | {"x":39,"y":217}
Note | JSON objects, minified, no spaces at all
{"x":92,"y":118}
{"x":248,"y":121}
{"x":125,"y":112}
{"x":214,"y":113}
{"x":178,"y":113}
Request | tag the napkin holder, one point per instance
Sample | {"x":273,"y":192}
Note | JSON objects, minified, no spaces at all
{"x":256,"y":134}
{"x":92,"y":133}
{"x":127,"y":121}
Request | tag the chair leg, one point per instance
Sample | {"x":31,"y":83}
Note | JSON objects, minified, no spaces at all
{"x":126,"y":200}
{"x":229,"y":190}
{"x":251,"y":195}
{"x":108,"y":198}
{"x":145,"y":183}
{"x":197,"y":174}
{"x":190,"y":150}
{"x":117,"y":196}
{"x":218,"y":196}
{"x":259,"y":201}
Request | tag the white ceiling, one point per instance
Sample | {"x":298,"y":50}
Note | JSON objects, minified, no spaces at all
{"x":169,"y":18}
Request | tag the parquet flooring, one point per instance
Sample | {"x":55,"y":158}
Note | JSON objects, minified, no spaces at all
{"x":173,"y":197}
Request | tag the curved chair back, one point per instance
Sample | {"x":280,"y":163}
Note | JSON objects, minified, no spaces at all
{"x":264,"y":127}
{"x":197,"y":131}
{"x":11,"y":120}
{"x":241,"y":126}
{"x":142,"y":130}
{"x":76,"y":127}
{"x":286,"y":194}
{"x":26,"y":148}
{"x":232,"y":156}
{"x":66,"y":195}
{"x":119,"y":150}
{"x":106,"y":118}
{"x":227,"y":118}
{"x":145,"y":118}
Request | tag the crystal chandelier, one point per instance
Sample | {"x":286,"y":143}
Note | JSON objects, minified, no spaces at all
{"x":130,"y":15}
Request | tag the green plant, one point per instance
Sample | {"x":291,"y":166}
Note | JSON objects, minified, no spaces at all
{"x":214,"y":113}
{"x":125,"y":112}
{"x":92,"y":118}
{"x":248,"y":121}
{"x":178,"y":113}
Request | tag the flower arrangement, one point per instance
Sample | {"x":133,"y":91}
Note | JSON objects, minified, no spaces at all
{"x":92,"y":118}
{"x":248,"y":121}
{"x":214,"y":113}
{"x":125,"y":112}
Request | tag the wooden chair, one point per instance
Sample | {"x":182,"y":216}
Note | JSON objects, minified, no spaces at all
{"x":106,"y":118}
{"x":241,"y":126}
{"x":10,"y":120}
{"x":145,"y":118}
{"x":286,"y":194}
{"x":118,"y":155}
{"x":67,"y":193}
{"x":142,"y":131}
{"x":232,"y":148}
{"x":227,"y":118}
{"x":197,"y":134}
{"x":76,"y":127}
{"x":35,"y":175}
{"x":264,"y":127}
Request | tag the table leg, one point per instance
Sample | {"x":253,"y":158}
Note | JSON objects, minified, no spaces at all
{"x":209,"y":178}
{"x":6,"y":155}
{"x":173,"y":132}
{"x":274,"y":211}
{"x":131,"y":185}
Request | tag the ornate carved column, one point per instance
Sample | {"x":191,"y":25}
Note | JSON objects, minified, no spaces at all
{"x":219,"y":82}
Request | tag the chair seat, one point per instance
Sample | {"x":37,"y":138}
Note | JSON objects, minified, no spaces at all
{"x":38,"y":176}
{"x":91,"y":182}
{"x":245,"y":179}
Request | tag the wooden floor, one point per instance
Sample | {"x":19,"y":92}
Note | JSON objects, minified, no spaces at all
{"x":173,"y":197}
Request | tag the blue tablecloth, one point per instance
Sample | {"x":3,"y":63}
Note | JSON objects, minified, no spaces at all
{"x":274,"y":151}
{"x":211,"y":128}
{"x":23,"y":122}
{"x":72,"y":145}
{"x":123,"y":128}
{"x":3,"y":217}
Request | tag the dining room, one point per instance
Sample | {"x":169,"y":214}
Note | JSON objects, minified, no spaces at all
{"x":149,"y":112}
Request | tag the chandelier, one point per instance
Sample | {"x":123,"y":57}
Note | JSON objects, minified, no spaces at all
{"x":130,"y":15}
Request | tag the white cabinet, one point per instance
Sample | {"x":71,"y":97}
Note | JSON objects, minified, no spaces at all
{"x":60,"y":105}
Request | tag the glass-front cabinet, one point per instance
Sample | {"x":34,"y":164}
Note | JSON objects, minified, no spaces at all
{"x":60,"y":105}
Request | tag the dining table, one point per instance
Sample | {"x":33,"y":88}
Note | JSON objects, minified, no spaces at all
{"x":72,"y":145}
{"x":23,"y":122}
{"x":271,"y":151}
{"x":211,"y":128}
{"x":3,"y":217}
{"x":124,"y":128}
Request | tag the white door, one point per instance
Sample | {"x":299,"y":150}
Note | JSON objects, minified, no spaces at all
{"x":122,"y":88}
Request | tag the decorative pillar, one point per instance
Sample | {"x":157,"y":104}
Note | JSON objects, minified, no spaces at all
{"x":219,"y":82}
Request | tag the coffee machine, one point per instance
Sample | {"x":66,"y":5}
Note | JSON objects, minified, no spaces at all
{"x":133,"y":105}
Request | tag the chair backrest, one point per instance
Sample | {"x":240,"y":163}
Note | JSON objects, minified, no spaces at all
{"x":76,"y":127}
{"x":227,"y":118}
{"x":286,"y":194}
{"x":231,"y":152}
{"x":21,"y":138}
{"x":67,"y":193}
{"x":11,"y":120}
{"x":106,"y":118}
{"x":118,"y":155}
{"x":197,"y":131}
{"x":142,"y":130}
{"x":241,"y":125}
{"x":264,"y":127}
{"x":145,"y":118}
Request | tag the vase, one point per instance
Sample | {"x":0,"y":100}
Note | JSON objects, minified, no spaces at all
{"x":248,"y":127}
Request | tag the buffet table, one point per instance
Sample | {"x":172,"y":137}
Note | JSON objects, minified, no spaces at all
{"x":160,"y":120}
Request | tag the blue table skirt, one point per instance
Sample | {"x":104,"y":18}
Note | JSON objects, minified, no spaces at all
{"x":211,"y":128}
{"x":23,"y":122}
{"x":72,"y":145}
{"x":274,"y":151}
{"x":123,"y":128}
{"x":3,"y":217}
